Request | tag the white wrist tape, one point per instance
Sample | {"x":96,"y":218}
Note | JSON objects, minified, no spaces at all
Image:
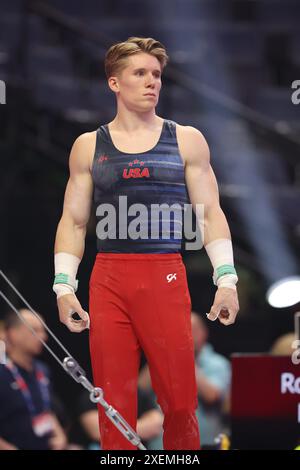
{"x":66,"y":267}
{"x":62,"y":289}
{"x":229,"y":280}
{"x":220,"y":253}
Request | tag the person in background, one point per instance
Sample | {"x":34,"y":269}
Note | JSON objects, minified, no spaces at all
{"x":284,"y":345}
{"x":213,"y":378}
{"x":2,"y":344}
{"x":149,"y":422}
{"x":27,"y":419}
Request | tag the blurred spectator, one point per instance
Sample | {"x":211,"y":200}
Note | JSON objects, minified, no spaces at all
{"x":283,"y":346}
{"x":2,"y":334}
{"x":149,"y":423}
{"x":2,"y":344}
{"x":213,"y":376}
{"x":27,"y":420}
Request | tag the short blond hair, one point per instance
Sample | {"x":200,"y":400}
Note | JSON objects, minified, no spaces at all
{"x":117,"y":55}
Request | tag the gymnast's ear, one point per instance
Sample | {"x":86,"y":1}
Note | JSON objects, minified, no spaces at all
{"x":113,"y":84}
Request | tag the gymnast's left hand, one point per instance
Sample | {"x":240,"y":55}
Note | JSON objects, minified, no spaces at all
{"x":225,"y":306}
{"x":68,"y":306}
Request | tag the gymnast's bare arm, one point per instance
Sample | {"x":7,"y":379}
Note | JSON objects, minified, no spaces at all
{"x":203,"y":189}
{"x":71,"y":230}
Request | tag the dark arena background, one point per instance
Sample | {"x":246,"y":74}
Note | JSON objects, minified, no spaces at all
{"x":234,"y":74}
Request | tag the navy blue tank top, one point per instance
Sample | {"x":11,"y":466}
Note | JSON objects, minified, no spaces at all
{"x":139,"y":197}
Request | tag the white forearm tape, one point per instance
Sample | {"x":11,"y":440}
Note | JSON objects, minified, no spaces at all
{"x":220,"y":253}
{"x":65,"y":267}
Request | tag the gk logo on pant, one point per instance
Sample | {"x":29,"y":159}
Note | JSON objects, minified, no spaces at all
{"x":171,"y":276}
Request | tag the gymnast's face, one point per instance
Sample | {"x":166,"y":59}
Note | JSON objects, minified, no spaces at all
{"x":140,"y":78}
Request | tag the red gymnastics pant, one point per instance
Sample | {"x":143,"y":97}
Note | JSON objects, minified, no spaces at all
{"x":142,"y":301}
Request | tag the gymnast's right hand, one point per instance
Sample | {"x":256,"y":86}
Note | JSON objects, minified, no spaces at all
{"x":69,"y":308}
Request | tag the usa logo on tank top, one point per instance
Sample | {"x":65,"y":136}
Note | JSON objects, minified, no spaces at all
{"x":155,"y":177}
